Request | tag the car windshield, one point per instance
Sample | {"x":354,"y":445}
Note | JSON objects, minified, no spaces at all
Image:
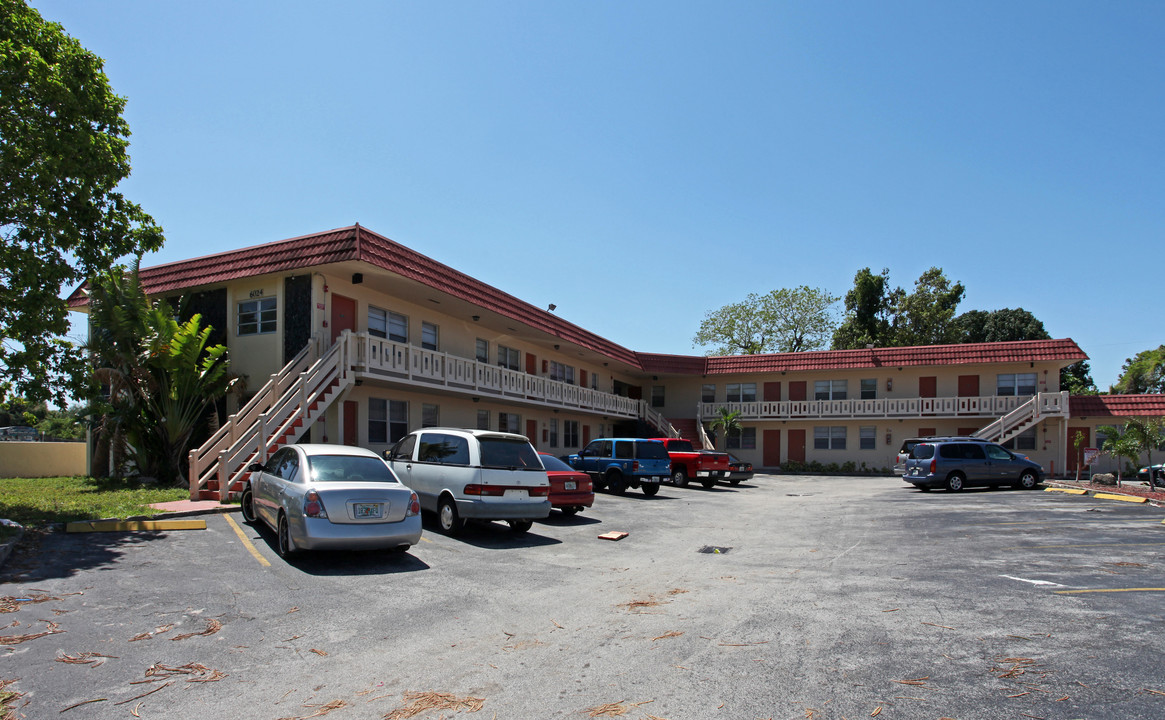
{"x":348,"y":468}
{"x":500,"y":452}
{"x":651,"y":451}
{"x":552,"y":463}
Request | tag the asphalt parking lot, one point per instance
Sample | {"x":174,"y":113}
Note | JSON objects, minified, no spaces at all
{"x":787,"y":597}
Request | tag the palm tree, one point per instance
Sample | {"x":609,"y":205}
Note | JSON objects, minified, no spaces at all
{"x":1120,"y":445}
{"x":1145,"y":435}
{"x":160,"y":376}
{"x":729,"y":420}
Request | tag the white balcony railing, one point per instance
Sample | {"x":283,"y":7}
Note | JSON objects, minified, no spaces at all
{"x":390,"y":360}
{"x":993,"y":406}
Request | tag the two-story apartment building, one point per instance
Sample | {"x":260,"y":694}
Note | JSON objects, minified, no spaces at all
{"x":346,"y":336}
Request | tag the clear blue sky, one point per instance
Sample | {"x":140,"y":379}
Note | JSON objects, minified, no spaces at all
{"x":641,"y":163}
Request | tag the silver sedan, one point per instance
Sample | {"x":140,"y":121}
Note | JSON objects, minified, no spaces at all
{"x":323,"y":497}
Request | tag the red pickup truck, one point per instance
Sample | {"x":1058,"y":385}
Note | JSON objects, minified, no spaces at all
{"x":707,"y":466}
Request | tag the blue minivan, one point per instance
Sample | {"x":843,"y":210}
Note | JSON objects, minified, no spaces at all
{"x":618,"y":463}
{"x":958,"y":464}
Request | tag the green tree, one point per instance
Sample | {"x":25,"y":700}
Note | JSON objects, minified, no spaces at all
{"x":1077,"y":379}
{"x":1120,"y":445}
{"x":784,"y":320}
{"x":1146,"y":436}
{"x":868,"y":312}
{"x":159,"y":377}
{"x":728,"y":421}
{"x":1006,"y":325}
{"x":63,"y":152}
{"x":1143,"y":373}
{"x":66,"y":424}
{"x":877,"y":315}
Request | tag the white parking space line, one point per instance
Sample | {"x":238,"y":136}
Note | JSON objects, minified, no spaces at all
{"x":1033,"y":582}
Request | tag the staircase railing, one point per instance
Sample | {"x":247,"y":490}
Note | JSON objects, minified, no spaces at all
{"x":1034,"y":410}
{"x":649,"y":415}
{"x":270,"y":416}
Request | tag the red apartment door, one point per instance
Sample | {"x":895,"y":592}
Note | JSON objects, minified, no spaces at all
{"x":772,"y":393}
{"x":927,"y":387}
{"x":968,"y":386}
{"x":1076,"y":455}
{"x":350,"y":421}
{"x":796,"y":445}
{"x":532,"y":432}
{"x":343,"y":316}
{"x":586,"y":435}
{"x":796,"y":392}
{"x":531,"y":364}
{"x":772,"y":450}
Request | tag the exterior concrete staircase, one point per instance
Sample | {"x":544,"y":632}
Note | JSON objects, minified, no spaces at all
{"x":1030,"y":413}
{"x":289,"y":403}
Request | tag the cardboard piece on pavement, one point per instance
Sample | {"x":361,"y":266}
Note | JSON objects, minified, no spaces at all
{"x":613,"y":535}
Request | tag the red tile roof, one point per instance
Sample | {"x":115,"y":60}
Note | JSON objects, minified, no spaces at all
{"x":972,"y":353}
{"x":1116,"y":405}
{"x":360,"y":244}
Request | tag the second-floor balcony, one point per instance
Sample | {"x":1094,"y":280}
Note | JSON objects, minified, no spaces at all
{"x":378,"y":358}
{"x":985,"y":406}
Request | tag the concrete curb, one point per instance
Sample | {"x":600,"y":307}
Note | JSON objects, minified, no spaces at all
{"x":1113,"y":494}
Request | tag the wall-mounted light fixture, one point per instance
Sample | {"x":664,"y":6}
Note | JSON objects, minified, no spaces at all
{"x":889,"y":384}
{"x":555,"y":347}
{"x":889,"y":436}
{"x":476,"y":318}
{"x":357,"y":278}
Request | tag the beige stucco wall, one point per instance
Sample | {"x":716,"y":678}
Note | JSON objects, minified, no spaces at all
{"x":42,"y":459}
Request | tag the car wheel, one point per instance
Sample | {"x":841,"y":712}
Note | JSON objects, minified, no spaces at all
{"x":708,"y":483}
{"x":286,"y":544}
{"x":955,"y":482}
{"x":568,"y":511}
{"x":679,"y":477}
{"x":923,"y":488}
{"x":734,"y":483}
{"x":521,"y":526}
{"x":447,"y":517}
{"x":248,"y":506}
{"x":650,"y":489}
{"x":399,"y":549}
{"x":1027,"y":481}
{"x":615,"y":483}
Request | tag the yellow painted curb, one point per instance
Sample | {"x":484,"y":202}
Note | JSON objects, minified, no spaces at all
{"x":134,"y":525}
{"x":1126,"y":498}
{"x":1109,"y":590}
{"x":1068,"y":491}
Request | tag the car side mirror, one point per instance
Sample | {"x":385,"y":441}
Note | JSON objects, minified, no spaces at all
{"x":256,"y":467}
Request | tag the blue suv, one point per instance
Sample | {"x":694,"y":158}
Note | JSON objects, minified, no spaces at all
{"x":958,"y":464}
{"x":618,"y":463}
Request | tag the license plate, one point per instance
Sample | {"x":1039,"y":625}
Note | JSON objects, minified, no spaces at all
{"x":656,"y":478}
{"x":516,"y":493}
{"x":366,"y":510}
{"x":569,"y":485}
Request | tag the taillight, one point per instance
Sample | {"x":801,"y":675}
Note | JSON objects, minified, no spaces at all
{"x":541,"y":491}
{"x":414,"y":506}
{"x":933,"y":465}
{"x":313,"y":506}
{"x":485,"y":490}
{"x":634,"y":466}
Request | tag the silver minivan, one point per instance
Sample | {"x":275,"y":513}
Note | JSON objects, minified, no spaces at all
{"x":466,"y":475}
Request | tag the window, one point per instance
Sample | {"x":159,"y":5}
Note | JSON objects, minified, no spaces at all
{"x":1015,"y":384}
{"x":385,"y":324}
{"x":398,"y":327}
{"x":508,"y":422}
{"x":741,"y":392}
{"x":594,"y":381}
{"x":508,"y":357}
{"x":829,"y":390}
{"x":483,"y":419}
{"x":868,"y":437}
{"x":869,"y":388}
{"x":388,"y":420}
{"x":553,"y":432}
{"x":708,"y":393}
{"x":570,"y":433}
{"x":482,"y":350}
{"x":829,"y":438}
{"x":1026,"y":440}
{"x":377,"y":322}
{"x":444,"y":449}
{"x":657,"y":397}
{"x":428,"y":336}
{"x":430,"y":415}
{"x":744,"y":440}
{"x":257,"y":317}
{"x":561,"y":373}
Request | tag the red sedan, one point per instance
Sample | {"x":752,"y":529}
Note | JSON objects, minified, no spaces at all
{"x":570,"y":490}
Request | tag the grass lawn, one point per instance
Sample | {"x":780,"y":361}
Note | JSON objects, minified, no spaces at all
{"x":36,"y":501}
